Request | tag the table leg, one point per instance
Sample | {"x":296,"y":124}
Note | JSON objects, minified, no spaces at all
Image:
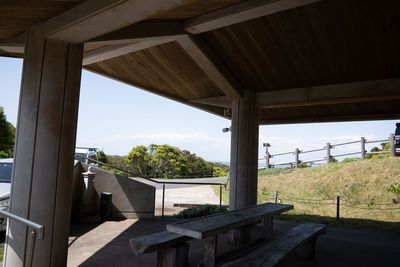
{"x":210,"y":251}
{"x":268,"y":227}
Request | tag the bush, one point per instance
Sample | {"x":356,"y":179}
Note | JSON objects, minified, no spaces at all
{"x":273,"y":171}
{"x":351,"y":160}
{"x":395,"y":189}
{"x":200,"y":211}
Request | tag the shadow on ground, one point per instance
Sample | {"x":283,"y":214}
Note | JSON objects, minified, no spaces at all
{"x":339,"y":247}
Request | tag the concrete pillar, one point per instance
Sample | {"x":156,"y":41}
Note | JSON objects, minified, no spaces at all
{"x":44,"y":153}
{"x":244,"y":152}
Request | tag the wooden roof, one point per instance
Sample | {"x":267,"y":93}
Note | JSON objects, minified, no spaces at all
{"x":308,"y":61}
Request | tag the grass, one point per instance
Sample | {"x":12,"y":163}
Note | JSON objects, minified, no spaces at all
{"x":2,"y":252}
{"x":361,"y":184}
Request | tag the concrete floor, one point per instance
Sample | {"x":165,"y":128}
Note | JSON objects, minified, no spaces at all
{"x":107,"y":244}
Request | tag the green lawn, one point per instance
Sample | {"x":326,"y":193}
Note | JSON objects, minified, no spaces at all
{"x":360,"y":184}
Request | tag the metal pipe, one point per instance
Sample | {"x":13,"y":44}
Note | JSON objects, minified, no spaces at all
{"x":377,"y":141}
{"x":347,"y":143}
{"x":337,"y":207}
{"x":220,"y":197}
{"x":163,"y":199}
{"x":31,"y":248}
{"x":38,"y":227}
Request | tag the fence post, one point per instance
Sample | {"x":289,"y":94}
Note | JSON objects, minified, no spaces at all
{"x":276,"y":196}
{"x":392,"y":148}
{"x":267,"y":155}
{"x":296,"y":157}
{"x":337,"y":207}
{"x":362,"y":148}
{"x":328,"y":153}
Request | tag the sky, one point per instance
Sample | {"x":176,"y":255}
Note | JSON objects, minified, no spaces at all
{"x":117,"y":117}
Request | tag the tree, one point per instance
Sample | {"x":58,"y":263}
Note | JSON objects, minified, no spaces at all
{"x":385,"y":147}
{"x":7,"y":136}
{"x":138,"y":161}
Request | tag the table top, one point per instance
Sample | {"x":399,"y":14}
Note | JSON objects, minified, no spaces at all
{"x":202,"y":227}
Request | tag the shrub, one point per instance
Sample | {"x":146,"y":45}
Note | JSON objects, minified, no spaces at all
{"x":200,"y":211}
{"x":351,"y":160}
{"x":395,"y":189}
{"x":273,"y":171}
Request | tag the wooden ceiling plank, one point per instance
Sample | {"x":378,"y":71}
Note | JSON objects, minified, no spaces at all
{"x":365,"y":91}
{"x":141,"y":31}
{"x":211,"y":65}
{"x":94,"y":18}
{"x":240,"y":12}
{"x":113,"y":51}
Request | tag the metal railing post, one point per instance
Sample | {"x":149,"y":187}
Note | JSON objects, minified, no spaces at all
{"x":337,"y":207}
{"x":276,"y":196}
{"x":392,"y":148}
{"x":163,"y":199}
{"x":220,"y":197}
{"x":31,"y":248}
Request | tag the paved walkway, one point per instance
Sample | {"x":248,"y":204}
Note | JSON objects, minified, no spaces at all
{"x":107,"y":245}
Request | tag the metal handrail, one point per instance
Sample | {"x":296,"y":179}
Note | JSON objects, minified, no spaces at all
{"x":164,"y":183}
{"x":37,"y":231}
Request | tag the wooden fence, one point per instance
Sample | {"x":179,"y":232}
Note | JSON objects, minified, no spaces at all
{"x":328,"y":148}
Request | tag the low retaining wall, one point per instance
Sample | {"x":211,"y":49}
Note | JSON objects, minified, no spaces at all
{"x":130,"y":198}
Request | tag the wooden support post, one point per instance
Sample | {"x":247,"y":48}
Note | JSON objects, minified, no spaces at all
{"x":307,"y":249}
{"x":296,"y":157}
{"x":328,"y":153}
{"x":210,"y":251}
{"x":267,"y":155}
{"x":174,"y":256}
{"x":363,"y":148}
{"x":44,"y":152}
{"x":244,"y":152}
{"x":392,"y":147}
{"x":268,"y":227}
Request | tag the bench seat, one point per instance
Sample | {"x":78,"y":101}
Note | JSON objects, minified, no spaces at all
{"x":172,"y":248}
{"x":300,"y":239}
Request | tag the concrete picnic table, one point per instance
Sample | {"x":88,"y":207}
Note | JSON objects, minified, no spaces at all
{"x":207,"y":228}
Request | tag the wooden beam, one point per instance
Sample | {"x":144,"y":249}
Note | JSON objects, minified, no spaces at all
{"x":141,"y":31}
{"x":112,"y":51}
{"x":331,"y":94}
{"x":211,"y":65}
{"x":12,"y":48}
{"x":219,"y":101}
{"x":240,"y":12}
{"x":93,"y":18}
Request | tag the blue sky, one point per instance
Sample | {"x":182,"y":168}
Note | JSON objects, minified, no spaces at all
{"x":117,"y":117}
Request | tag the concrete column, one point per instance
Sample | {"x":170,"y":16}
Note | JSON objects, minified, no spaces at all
{"x":244,"y":152}
{"x":44,"y":153}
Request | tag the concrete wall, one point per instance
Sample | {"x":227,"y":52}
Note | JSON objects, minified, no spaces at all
{"x":130,"y":198}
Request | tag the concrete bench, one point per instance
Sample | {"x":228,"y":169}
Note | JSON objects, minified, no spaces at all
{"x":172,"y":249}
{"x":300,"y":239}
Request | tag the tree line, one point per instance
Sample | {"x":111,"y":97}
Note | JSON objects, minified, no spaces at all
{"x":7,"y":136}
{"x":164,"y":161}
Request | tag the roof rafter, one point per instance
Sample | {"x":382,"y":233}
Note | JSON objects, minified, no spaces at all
{"x":240,"y":12}
{"x":211,"y":65}
{"x":365,"y":91}
{"x":93,"y":18}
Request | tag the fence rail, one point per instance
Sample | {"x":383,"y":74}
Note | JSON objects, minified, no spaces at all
{"x":394,"y":141}
{"x":338,"y":202}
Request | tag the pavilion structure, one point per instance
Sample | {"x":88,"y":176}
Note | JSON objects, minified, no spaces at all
{"x":254,"y":62}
